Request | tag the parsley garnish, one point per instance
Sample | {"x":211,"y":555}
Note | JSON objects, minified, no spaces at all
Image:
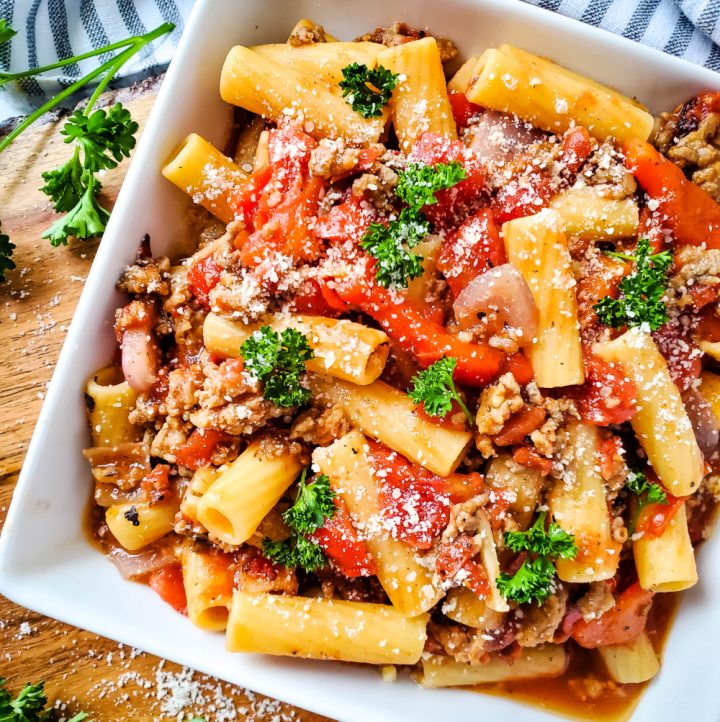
{"x":435,"y":389}
{"x":640,"y":302}
{"x":6,"y":251}
{"x":390,"y":245}
{"x":313,"y":505}
{"x":6,"y":32}
{"x":367,"y":91}
{"x":647,"y":492}
{"x":533,"y":581}
{"x":102,"y":138}
{"x":28,"y":706}
{"x":418,"y":183}
{"x":278,"y":360}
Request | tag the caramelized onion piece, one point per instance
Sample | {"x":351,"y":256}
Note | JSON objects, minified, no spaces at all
{"x":703,"y":420}
{"x":503,"y":290}
{"x":138,"y":566}
{"x":139,"y":358}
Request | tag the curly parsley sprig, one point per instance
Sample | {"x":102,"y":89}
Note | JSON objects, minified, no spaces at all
{"x":367,"y":91}
{"x":29,"y":705}
{"x":391,"y":245}
{"x":646,"y":492}
{"x":313,"y":505}
{"x":640,"y":302}
{"x":435,"y":389}
{"x":102,"y":138}
{"x":278,"y":360}
{"x":534,"y":580}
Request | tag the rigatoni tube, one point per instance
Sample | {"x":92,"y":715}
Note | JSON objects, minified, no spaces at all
{"x":324,"y":629}
{"x":661,"y":423}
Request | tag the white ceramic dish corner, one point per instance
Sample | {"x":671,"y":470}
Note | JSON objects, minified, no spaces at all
{"x":47,"y":564}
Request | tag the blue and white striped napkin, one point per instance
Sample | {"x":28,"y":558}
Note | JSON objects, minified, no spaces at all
{"x":49,"y":29}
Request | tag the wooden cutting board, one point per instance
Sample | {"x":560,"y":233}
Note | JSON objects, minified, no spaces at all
{"x":84,"y":671}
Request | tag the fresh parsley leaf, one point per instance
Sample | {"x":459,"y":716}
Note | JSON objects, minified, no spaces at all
{"x":295,"y":552}
{"x":313,"y":504}
{"x":640,"y":302}
{"x":418,"y":183}
{"x":647,"y":492}
{"x":79,"y":717}
{"x":65,"y":185}
{"x":390,"y":245}
{"x":534,"y":580}
{"x":86,"y":219}
{"x":6,"y":32}
{"x":104,"y":137}
{"x":6,"y":251}
{"x":368,"y":91}
{"x":435,"y":389}
{"x":28,"y":706}
{"x":278,"y":360}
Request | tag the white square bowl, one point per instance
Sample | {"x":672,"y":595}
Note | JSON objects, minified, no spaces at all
{"x":47,"y":564}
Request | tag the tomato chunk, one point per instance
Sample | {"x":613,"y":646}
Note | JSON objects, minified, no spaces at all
{"x":168,"y":583}
{"x":687,"y":210}
{"x":197,"y":451}
{"x":341,"y":543}
{"x":471,"y":250}
{"x":462,"y":109}
{"x":416,"y":502}
{"x":458,"y":556}
{"x":203,"y":276}
{"x":576,"y":147}
{"x":608,"y":396}
{"x":654,"y":518}
{"x":619,"y":625}
{"x":519,"y":425}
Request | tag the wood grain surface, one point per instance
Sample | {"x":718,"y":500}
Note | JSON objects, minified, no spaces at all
{"x":83,"y":671}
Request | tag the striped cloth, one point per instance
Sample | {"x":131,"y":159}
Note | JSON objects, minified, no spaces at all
{"x":49,"y":29}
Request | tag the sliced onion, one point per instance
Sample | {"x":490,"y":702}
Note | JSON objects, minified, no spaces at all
{"x":501,"y":289}
{"x":133,"y":566}
{"x":703,"y":420}
{"x":139,"y":358}
{"x":497,"y":137}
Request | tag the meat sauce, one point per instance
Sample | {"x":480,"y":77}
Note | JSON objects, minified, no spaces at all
{"x":584,"y":691}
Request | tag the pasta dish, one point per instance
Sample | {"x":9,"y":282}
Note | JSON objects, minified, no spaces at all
{"x":438,"y":389}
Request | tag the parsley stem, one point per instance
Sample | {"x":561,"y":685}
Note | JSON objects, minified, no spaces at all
{"x":466,"y":410}
{"x":111,"y":67}
{"x":7,"y":77}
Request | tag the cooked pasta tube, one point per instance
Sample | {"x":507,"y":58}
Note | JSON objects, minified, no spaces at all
{"x":585,"y":214}
{"x":631,"y":663}
{"x":523,"y":482}
{"x":247,"y":144}
{"x":420,"y":103}
{"x":324,"y":61}
{"x":271,"y":89}
{"x":661,"y":423}
{"x":210,"y":178}
{"x":324,"y":629}
{"x":489,"y":558}
{"x":208,"y":582}
{"x":461,"y":80}
{"x":199,"y":484}
{"x":666,"y":563}
{"x":710,"y":389}
{"x":578,"y":503}
{"x":549,"y":660}
{"x":111,"y":400}
{"x":711,"y":348}
{"x":389,"y":416}
{"x":343,"y":349}
{"x":538,"y":247}
{"x":135,"y":525}
{"x":465,"y":607}
{"x":554,"y":98}
{"x":407,"y":582}
{"x":419,"y":288}
{"x":236,"y":502}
